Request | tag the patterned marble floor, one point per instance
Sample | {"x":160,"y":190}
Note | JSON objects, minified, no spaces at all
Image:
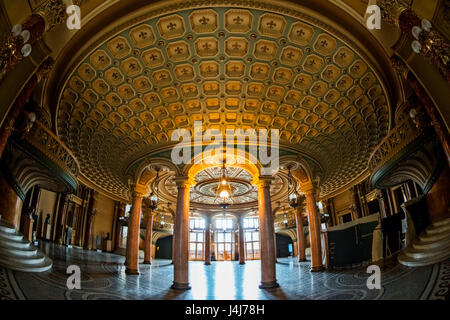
{"x":103,"y":277}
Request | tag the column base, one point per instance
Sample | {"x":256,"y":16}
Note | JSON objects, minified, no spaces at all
{"x":302,"y":260}
{"x":180,"y":286}
{"x":132,"y":272}
{"x":207,"y":263}
{"x":243,"y":262}
{"x":316,"y":269}
{"x":147,"y":262}
{"x":269,"y":285}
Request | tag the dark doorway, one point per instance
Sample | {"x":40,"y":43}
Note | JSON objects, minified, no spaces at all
{"x":283,"y":245}
{"x":374,"y":206}
{"x":347,"y":217}
{"x":164,"y":248}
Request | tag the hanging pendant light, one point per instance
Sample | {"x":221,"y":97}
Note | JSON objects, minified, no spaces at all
{"x":224,"y":189}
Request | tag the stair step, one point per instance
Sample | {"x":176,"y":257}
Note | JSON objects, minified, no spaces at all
{"x":11,"y":236}
{"x":6,"y":229}
{"x":24,"y":252}
{"x":14,"y":244}
{"x":442,"y":222}
{"x":41,"y":267}
{"x":421,"y":245}
{"x":412,"y":262}
{"x":36,"y":259}
{"x":438,"y":229}
{"x":425,"y":254}
{"x":424,"y":237}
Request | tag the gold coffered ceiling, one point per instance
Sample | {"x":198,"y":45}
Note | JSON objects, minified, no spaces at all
{"x":231,"y":68}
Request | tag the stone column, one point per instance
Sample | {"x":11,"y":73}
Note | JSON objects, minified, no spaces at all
{"x":134,"y":223}
{"x":301,"y":243}
{"x":181,"y":236}
{"x":267,"y":232}
{"x":384,"y":204}
{"x":10,"y":203}
{"x":148,"y":239}
{"x":314,"y":228}
{"x":208,"y":240}
{"x":120,"y":214}
{"x":62,"y":208}
{"x":90,"y":220}
{"x":295,"y":248}
{"x":356,"y":203}
{"x":241,"y":241}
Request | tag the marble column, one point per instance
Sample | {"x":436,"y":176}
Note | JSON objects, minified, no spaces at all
{"x":120,"y":214}
{"x":134,"y":223}
{"x":267,"y":235}
{"x":356,"y":203}
{"x":181,"y":236}
{"x":241,"y":241}
{"x":301,"y":243}
{"x":208,"y":241}
{"x":148,"y":239}
{"x":295,"y":248}
{"x":90,"y":220}
{"x":314,"y":228}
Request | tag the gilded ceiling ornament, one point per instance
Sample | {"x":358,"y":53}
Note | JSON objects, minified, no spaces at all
{"x":391,"y":10}
{"x":53,"y":12}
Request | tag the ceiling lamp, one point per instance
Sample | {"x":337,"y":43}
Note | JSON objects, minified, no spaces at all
{"x":224,"y":190}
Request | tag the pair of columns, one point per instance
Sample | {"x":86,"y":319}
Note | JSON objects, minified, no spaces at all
{"x":181,"y":236}
{"x":208,"y":242}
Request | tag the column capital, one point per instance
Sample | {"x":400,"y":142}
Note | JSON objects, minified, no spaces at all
{"x":183,"y":181}
{"x":264,"y":181}
{"x":137,"y":194}
{"x":307,"y":187}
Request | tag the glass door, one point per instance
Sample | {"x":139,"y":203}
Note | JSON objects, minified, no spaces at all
{"x":252,"y":251}
{"x":224,"y":245}
{"x":196,"y":250}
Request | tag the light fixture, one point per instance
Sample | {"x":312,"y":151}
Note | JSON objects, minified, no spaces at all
{"x":224,"y":189}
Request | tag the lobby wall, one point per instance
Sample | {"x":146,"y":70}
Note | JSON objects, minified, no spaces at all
{"x":103,"y":221}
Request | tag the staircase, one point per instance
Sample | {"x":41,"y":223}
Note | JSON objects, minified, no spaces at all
{"x":432,"y":246}
{"x":17,"y":253}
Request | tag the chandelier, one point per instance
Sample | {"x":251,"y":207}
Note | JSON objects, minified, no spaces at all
{"x":224,"y":192}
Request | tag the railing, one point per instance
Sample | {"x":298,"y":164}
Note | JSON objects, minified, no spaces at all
{"x":49,"y":144}
{"x":398,"y":138}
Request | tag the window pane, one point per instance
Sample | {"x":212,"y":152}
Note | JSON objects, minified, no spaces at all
{"x":248,"y":236}
{"x":249,"y":248}
{"x":220,"y":237}
{"x":251,"y":223}
{"x":191,"y":224}
{"x":256,"y":236}
{"x":192,"y":247}
{"x":192,"y":237}
{"x":220,"y":247}
{"x":256,"y":221}
{"x":229,"y":224}
{"x":199,"y":236}
{"x":219,"y":223}
{"x":202,"y":224}
{"x":246,"y":223}
{"x":227,"y":237}
{"x":256,"y":247}
{"x":199,"y":250}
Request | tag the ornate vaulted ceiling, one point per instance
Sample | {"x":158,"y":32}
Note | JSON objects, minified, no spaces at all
{"x":229,"y":67}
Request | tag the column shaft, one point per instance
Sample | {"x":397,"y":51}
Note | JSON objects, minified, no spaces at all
{"x":314,"y":232}
{"x":134,"y":223}
{"x":267,"y":238}
{"x":181,"y":240}
{"x":241,"y":241}
{"x":208,"y":241}
{"x":148,"y":240}
{"x":301,"y":243}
